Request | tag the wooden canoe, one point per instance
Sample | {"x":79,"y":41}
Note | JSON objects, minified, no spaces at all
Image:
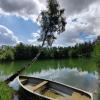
{"x":33,"y":88}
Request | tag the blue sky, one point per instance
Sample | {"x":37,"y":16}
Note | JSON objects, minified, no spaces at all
{"x":18,"y":22}
{"x":23,"y":29}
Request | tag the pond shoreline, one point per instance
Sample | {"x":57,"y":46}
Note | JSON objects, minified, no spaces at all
{"x":6,"y":93}
{"x":64,"y":71}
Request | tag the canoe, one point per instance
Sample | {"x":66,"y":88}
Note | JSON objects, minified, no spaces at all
{"x":36,"y":88}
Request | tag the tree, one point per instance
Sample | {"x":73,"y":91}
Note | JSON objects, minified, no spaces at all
{"x":19,"y":51}
{"x":52,"y":21}
{"x":7,"y":54}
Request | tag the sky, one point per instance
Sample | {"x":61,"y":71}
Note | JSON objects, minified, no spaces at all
{"x":18,"y":21}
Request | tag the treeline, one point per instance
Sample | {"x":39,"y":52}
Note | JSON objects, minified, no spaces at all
{"x":22,"y":52}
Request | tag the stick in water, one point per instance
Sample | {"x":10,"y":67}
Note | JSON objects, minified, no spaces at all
{"x":52,"y":22}
{"x":12,"y":77}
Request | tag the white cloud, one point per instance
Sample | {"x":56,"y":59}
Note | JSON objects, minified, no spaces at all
{"x":76,"y":6}
{"x":34,"y":38}
{"x":7,"y":37}
{"x":35,"y":35}
{"x":27,"y":9}
{"x":83,"y":16}
{"x":86,"y":22}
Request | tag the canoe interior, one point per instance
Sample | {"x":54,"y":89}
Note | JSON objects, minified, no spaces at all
{"x":52,"y":90}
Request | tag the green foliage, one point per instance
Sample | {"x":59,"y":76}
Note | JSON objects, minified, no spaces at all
{"x":96,"y":52}
{"x":22,"y":52}
{"x":7,"y":53}
{"x":51,"y":21}
{"x":5,"y":92}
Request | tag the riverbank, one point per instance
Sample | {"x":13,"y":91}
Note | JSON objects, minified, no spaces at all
{"x":6,"y":93}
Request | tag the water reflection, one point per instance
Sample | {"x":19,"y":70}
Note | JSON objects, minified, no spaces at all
{"x":74,"y":77}
{"x":2,"y":76}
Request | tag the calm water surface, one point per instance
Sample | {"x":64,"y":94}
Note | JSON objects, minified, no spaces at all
{"x":80,"y":73}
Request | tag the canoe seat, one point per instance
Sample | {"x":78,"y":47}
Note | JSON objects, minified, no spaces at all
{"x":77,"y":96}
{"x":55,"y":95}
{"x":39,"y":85}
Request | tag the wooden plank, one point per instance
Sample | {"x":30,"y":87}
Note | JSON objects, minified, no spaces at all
{"x":85,"y":98}
{"x":55,"y":96}
{"x":77,"y":96}
{"x":39,"y":85}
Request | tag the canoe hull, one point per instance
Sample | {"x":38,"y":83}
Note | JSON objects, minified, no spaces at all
{"x":30,"y":95}
{"x":26,"y":95}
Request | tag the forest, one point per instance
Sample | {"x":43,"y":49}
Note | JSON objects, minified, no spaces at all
{"x":24,"y":52}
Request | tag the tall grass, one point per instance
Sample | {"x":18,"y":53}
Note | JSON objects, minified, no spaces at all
{"x":6,"y":93}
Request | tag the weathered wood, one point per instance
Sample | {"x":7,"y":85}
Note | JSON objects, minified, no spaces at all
{"x":78,"y":96}
{"x":39,"y":85}
{"x":49,"y":90}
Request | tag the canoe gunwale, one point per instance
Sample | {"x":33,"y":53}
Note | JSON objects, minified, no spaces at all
{"x":33,"y":91}
{"x":73,"y":88}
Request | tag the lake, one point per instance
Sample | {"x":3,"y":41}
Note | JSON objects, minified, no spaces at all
{"x":80,"y":73}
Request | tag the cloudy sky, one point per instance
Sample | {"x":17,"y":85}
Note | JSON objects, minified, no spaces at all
{"x":18,"y":21}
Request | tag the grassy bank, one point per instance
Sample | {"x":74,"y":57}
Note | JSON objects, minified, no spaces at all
{"x":6,"y":93}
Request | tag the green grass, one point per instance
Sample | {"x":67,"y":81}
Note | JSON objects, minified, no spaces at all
{"x":6,"y":93}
